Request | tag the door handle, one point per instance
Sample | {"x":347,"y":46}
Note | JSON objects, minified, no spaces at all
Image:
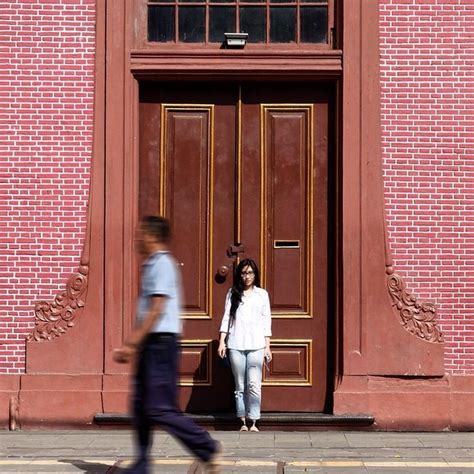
{"x":234,"y":250}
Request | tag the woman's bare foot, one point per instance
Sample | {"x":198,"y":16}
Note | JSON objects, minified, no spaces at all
{"x":244,"y":428}
{"x":254,"y":428}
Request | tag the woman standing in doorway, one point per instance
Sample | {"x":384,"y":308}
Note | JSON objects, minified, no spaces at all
{"x":246,"y":326}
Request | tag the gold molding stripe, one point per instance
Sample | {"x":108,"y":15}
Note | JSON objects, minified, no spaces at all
{"x":310,"y":262}
{"x":239,"y":170}
{"x":263,"y":196}
{"x":200,"y":343}
{"x":196,"y":315}
{"x":165,"y":108}
{"x":308,"y":343}
{"x":294,"y":315}
{"x":211,"y":212}
{"x":309,"y":110}
{"x":162,"y":160}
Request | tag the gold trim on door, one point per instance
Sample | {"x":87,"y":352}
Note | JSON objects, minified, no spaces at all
{"x":308,"y":380}
{"x":239,"y":170}
{"x":165,"y":108}
{"x":200,"y":343}
{"x":309,"y":109}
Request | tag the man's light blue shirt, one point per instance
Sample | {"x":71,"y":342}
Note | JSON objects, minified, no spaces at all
{"x":160,"y":277}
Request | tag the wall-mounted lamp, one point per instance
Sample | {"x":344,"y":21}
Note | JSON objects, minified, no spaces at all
{"x":236,"y":40}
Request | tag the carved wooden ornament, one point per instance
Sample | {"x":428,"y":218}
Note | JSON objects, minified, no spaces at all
{"x":54,"y":319}
{"x":417,"y":317}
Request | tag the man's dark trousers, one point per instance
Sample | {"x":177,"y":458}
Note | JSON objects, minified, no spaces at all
{"x":156,"y":400}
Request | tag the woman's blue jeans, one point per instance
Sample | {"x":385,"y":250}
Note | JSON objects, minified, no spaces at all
{"x":247,"y":370}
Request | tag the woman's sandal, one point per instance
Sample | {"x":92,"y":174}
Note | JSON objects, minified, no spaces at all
{"x":244,"y":428}
{"x":254,"y":429}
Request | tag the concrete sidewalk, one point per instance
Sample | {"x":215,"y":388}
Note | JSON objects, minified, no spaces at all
{"x":335,"y":452}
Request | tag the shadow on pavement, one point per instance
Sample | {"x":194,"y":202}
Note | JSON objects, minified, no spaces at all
{"x":93,"y":467}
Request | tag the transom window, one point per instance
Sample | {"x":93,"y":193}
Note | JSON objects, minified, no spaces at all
{"x":265,"y":21}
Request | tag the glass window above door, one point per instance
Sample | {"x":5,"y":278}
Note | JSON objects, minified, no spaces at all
{"x":265,"y":21}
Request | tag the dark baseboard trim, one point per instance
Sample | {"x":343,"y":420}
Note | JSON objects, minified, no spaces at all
{"x":267,"y":419}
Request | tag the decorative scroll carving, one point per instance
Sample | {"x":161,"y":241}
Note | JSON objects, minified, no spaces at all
{"x":418,"y":318}
{"x":54,"y":319}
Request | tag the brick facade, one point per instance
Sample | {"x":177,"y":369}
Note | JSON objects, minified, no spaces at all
{"x":46,"y":96}
{"x":427,"y":82}
{"x":46,"y":111}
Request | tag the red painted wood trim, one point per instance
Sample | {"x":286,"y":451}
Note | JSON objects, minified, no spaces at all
{"x":226,"y":63}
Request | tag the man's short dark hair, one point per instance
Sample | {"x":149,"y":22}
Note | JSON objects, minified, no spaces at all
{"x":157,"y":226}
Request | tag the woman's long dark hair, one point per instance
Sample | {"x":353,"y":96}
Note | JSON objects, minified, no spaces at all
{"x":238,"y":286}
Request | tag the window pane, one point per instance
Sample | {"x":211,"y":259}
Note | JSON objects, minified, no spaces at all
{"x":221,"y":1}
{"x":253,"y":21}
{"x":221,"y":20}
{"x":314,"y":24}
{"x":251,"y":1}
{"x":161,"y":26}
{"x":282,"y":24}
{"x":191,"y":24}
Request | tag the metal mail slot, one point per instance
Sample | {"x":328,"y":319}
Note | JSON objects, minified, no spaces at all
{"x":286,"y":244}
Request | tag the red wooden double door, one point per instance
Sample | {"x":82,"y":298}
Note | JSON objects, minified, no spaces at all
{"x":241,"y":170}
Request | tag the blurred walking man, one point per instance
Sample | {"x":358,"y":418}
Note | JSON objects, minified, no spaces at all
{"x":155,"y":342}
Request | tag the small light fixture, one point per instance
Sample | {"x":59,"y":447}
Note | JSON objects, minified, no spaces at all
{"x":236,"y":40}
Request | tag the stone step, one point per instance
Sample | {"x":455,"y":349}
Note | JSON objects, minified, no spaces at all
{"x":274,"y":420}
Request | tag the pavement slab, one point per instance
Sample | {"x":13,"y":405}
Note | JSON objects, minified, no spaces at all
{"x":109,"y":451}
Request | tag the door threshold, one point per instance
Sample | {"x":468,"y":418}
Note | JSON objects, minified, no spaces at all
{"x":278,"y":420}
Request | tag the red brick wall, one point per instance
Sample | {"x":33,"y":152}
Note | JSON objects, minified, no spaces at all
{"x":46,"y":99}
{"x":427,"y":69}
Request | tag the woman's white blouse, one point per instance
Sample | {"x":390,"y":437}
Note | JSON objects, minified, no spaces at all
{"x":252,"y":323}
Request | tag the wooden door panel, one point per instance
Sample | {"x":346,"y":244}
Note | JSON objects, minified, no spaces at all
{"x":287,"y":182}
{"x":186,"y":200}
{"x":291,"y":363}
{"x":287,"y":148}
{"x":196,"y":363}
{"x":187,"y":153}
